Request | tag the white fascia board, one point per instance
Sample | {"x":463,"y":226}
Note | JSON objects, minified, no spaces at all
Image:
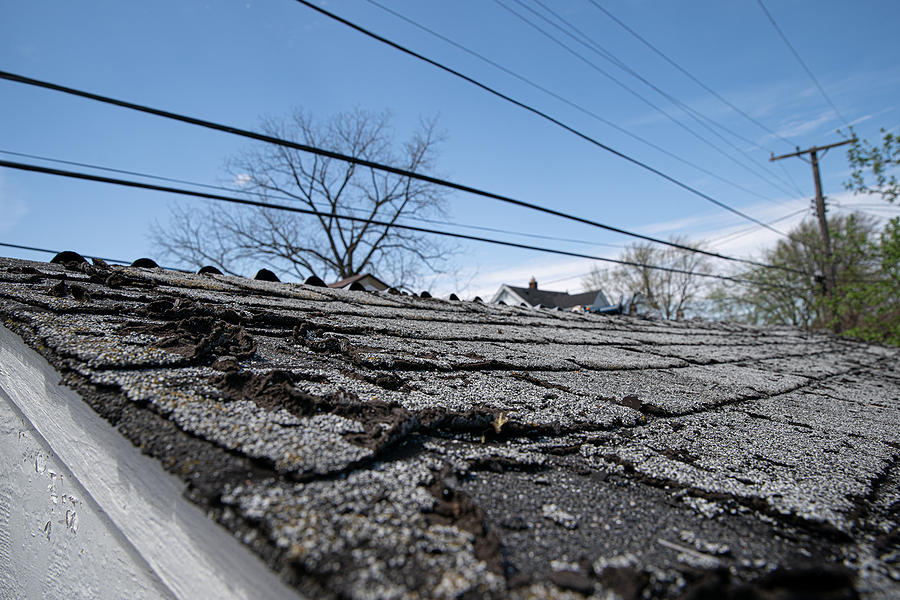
{"x":506,"y":292}
{"x":498,"y":294}
{"x":190,"y":556}
{"x":55,"y":542}
{"x":373,"y":284}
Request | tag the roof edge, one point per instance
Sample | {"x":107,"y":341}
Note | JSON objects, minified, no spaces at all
{"x":140,"y":502}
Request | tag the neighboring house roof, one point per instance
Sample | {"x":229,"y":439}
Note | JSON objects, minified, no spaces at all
{"x":368,"y":282}
{"x":376,"y":445}
{"x":533,"y":297}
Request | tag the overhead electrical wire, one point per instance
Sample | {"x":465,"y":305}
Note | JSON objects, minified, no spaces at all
{"x":788,"y":175}
{"x":294,"y":209}
{"x":535,"y":111}
{"x":693,"y":113}
{"x":666,"y":58}
{"x":390,"y":169}
{"x":570,"y":277}
{"x":864,"y":209}
{"x":521,"y":234}
{"x":729,"y":237}
{"x":636,"y":94}
{"x":878,"y":206}
{"x":802,"y":64}
{"x":44,"y":250}
{"x":289,"y":198}
{"x":848,"y":209}
{"x":113,"y":170}
{"x":33,"y":249}
{"x":565,"y":100}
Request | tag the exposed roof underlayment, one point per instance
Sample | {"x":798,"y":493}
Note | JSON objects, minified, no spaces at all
{"x":372,"y":445}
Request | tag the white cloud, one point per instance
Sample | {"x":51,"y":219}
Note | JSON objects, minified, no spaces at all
{"x":868,"y":117}
{"x":242,"y":180}
{"x":805,"y":126}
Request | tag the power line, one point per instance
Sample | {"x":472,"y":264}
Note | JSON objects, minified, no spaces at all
{"x":734,"y":235}
{"x":589,"y":42}
{"x":508,"y":232}
{"x":289,"y":198}
{"x":561,"y":280}
{"x":564,"y":100}
{"x":395,"y":170}
{"x":802,"y":64}
{"x":687,"y":74}
{"x":44,"y":250}
{"x":788,"y":174}
{"x":294,"y":209}
{"x":34,"y":249}
{"x":858,"y":210}
{"x":713,"y":241}
{"x":873,"y":206}
{"x":606,"y":55}
{"x":693,"y":113}
{"x":535,"y":111}
{"x":112,"y":170}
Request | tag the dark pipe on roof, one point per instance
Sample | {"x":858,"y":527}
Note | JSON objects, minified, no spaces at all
{"x":314,"y":281}
{"x":266,"y":275}
{"x":357,"y":287}
{"x":67,"y":257}
{"x":145,"y":263}
{"x":210,"y":270}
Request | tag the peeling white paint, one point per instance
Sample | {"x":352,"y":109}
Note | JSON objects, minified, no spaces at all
{"x":84,"y":515}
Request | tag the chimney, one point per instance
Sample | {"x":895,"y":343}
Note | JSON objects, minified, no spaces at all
{"x":532,"y":285}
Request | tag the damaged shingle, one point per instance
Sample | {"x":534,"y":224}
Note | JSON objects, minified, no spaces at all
{"x":411,"y":447}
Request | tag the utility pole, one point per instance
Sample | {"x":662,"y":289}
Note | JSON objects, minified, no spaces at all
{"x":830,"y":279}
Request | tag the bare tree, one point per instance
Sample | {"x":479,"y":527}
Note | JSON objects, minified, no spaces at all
{"x":665,"y":292}
{"x":232,"y":238}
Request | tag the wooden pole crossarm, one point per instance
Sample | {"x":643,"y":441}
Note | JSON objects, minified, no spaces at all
{"x":800,"y":152}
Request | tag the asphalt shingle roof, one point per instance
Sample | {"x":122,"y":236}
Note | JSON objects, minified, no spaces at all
{"x":373,"y":445}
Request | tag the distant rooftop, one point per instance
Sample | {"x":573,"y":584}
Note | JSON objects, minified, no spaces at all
{"x":531,"y":296}
{"x":362,"y":281}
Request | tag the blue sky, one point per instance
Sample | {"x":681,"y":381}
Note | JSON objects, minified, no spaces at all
{"x":232,"y":62}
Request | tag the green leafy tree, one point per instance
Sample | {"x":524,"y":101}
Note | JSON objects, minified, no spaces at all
{"x":878,"y":299}
{"x":873,"y":167}
{"x":867,"y":264}
{"x":795,"y":294}
{"x":876,"y":303}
